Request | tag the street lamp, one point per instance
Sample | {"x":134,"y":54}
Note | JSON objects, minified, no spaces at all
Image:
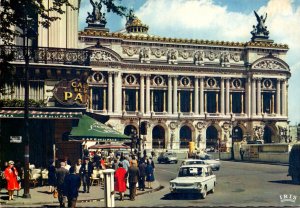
{"x":139,"y":116}
{"x":28,"y":33}
{"x":232,"y":143}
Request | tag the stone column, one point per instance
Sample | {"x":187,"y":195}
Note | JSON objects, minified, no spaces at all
{"x":273,"y":102}
{"x":91,"y":98}
{"x":148,"y":94}
{"x":164,"y":105}
{"x":179,"y":106}
{"x":217,"y":102}
{"x":152,"y":101}
{"x":248,"y":97}
{"x":104,"y":99}
{"x":205,"y":102}
{"x":201,"y":96}
{"x":258,"y":96}
{"x":283,"y":96}
{"x":110,"y":92}
{"x":222,"y":96}
{"x":175,"y":95}
{"x":242,"y":103}
{"x":196,"y":93}
{"x":227,"y":97}
{"x":136,"y":101}
{"x":117,"y":92}
{"x":124,"y":100}
{"x":278,"y":97}
{"x":253,"y":89}
{"x":169,"y":95}
{"x":191,"y":102}
{"x":142,"y":93}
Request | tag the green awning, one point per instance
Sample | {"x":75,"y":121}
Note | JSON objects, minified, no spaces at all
{"x":91,"y":130}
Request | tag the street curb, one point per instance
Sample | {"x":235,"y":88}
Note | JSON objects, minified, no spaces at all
{"x":79,"y":201}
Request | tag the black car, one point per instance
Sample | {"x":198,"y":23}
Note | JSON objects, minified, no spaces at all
{"x":167,"y":157}
{"x":294,"y":164}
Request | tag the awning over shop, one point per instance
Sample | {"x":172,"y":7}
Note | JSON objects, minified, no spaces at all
{"x":34,"y":114}
{"x":109,"y":146}
{"x":91,"y":130}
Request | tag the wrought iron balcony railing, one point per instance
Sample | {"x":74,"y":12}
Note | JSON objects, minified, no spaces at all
{"x":48,"y":55}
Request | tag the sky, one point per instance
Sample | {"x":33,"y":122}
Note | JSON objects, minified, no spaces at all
{"x":226,"y":20}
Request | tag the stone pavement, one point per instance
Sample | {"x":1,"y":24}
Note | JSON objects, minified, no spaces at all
{"x":40,"y":196}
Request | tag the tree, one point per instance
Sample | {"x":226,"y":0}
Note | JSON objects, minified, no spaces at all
{"x":24,"y":14}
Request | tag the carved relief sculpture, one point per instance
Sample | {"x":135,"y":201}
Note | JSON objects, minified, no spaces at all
{"x":198,"y":58}
{"x":224,"y":59}
{"x":144,"y":55}
{"x":172,"y":56}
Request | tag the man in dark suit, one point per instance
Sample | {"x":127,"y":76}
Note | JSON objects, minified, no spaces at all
{"x":71,"y":187}
{"x":60,"y":177}
{"x":133,"y":178}
{"x":142,"y":169}
{"x":86,"y":171}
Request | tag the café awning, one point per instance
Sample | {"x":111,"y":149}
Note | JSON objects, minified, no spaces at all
{"x":90,"y":129}
{"x":37,"y":114}
{"x":109,"y":146}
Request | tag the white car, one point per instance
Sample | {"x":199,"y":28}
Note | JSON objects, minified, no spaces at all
{"x":194,"y":179}
{"x":215,"y":164}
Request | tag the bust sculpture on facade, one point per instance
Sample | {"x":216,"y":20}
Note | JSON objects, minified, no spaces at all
{"x":260,"y":30}
{"x":96,"y":18}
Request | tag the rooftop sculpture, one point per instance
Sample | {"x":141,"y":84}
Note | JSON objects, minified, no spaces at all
{"x":96,"y":19}
{"x":260,"y":31}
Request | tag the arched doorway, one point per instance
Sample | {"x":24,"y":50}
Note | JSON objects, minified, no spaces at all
{"x":237,"y":134}
{"x":212,"y":138}
{"x":185,"y":136}
{"x":267,"y":135}
{"x":158,"y":137}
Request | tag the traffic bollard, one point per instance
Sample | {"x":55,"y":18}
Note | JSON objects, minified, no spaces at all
{"x":109,"y":190}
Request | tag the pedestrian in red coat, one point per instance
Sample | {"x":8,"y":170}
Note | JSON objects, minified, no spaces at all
{"x":11,"y":174}
{"x":120,"y":181}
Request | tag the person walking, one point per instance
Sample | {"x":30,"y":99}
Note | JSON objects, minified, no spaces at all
{"x":120,"y":181}
{"x":72,"y":184}
{"x":142,"y":169}
{"x":133,"y":176}
{"x":78,"y":166}
{"x":11,"y":174}
{"x":86,"y":171}
{"x":149,"y":174}
{"x":51,"y":176}
{"x":61,"y":173}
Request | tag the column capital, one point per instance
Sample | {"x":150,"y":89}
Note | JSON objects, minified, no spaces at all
{"x":143,"y":75}
{"x":110,"y":73}
{"x":199,"y":77}
{"x":225,"y":78}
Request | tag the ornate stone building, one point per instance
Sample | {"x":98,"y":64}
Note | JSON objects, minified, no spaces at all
{"x":208,"y":92}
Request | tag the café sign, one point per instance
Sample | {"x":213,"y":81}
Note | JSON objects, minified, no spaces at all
{"x":72,"y":92}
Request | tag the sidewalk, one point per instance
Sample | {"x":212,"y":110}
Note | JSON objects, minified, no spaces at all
{"x":40,"y":196}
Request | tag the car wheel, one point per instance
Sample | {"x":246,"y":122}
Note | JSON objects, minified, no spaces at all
{"x":176,"y":162}
{"x":204,"y":193}
{"x":159,"y":161}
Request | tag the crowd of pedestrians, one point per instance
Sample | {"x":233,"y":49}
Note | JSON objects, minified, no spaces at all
{"x":64,"y":179}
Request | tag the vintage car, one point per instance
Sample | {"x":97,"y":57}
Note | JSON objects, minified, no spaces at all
{"x":215,"y":164}
{"x":194,"y":179}
{"x":192,"y":162}
{"x":167,"y":157}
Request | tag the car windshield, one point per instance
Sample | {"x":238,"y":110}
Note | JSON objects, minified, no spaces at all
{"x":192,"y":162}
{"x":190,"y":171}
{"x":206,"y":157}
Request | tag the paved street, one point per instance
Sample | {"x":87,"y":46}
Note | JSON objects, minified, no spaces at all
{"x":238,"y":184}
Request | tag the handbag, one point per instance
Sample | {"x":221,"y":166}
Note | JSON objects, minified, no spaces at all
{"x":55,"y":193}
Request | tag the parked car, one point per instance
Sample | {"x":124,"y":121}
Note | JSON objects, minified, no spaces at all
{"x":194,"y":179}
{"x":294,"y":164}
{"x":192,"y":162}
{"x":209,"y":160}
{"x":167,"y":157}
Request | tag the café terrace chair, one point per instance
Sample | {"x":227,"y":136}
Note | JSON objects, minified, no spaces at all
{"x":95,"y":178}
